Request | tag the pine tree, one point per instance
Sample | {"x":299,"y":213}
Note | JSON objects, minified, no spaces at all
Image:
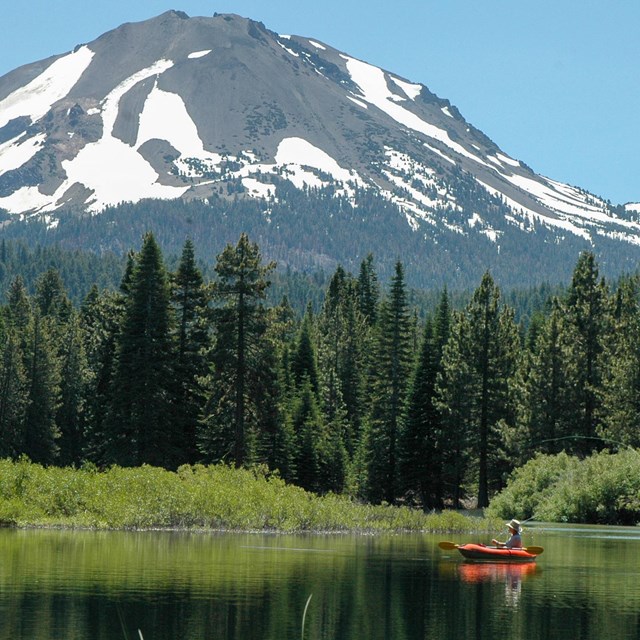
{"x":190,"y":300}
{"x":13,"y":398}
{"x":423,"y":443}
{"x":243,"y":359}
{"x":393,"y":364}
{"x":544,"y":412}
{"x":139,"y":425}
{"x":101,"y":318}
{"x":43,"y":385}
{"x":455,"y":402}
{"x":619,"y":393}
{"x":584,"y":329}
{"x":368,"y":290}
{"x":19,"y":305}
{"x":493,"y":353}
{"x":303,"y":361}
{"x":51,"y":298}
{"x":308,"y":428}
{"x":74,"y":374}
{"x":342,"y":338}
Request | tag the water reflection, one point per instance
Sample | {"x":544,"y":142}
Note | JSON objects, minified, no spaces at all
{"x":511,"y":575}
{"x":65,"y":584}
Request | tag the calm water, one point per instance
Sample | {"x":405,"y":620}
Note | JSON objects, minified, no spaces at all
{"x":66,"y":585}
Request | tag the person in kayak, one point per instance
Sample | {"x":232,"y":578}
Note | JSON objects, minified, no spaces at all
{"x":514,"y":541}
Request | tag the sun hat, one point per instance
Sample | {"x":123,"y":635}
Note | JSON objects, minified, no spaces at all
{"x":515,"y":524}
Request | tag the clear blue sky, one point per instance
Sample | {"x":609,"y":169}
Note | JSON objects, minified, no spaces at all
{"x":555,"y":83}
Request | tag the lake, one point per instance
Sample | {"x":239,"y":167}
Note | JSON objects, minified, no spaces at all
{"x":188,"y":586}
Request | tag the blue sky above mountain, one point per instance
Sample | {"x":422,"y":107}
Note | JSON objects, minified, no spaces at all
{"x":552,"y":85}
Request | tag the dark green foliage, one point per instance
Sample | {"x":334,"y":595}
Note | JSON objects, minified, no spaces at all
{"x":585,"y":329}
{"x":492,"y":354}
{"x":392,"y":365}
{"x":243,"y":363}
{"x":13,"y":397}
{"x":544,"y":407}
{"x":399,"y":399}
{"x":423,"y":446}
{"x":74,"y":379}
{"x":303,"y":360}
{"x":476,"y":388}
{"x":620,"y":392}
{"x":43,"y":391}
{"x":190,"y":299}
{"x":139,"y":424}
{"x":101,"y":317}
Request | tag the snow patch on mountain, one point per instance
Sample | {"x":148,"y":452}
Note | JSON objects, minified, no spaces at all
{"x":375,"y":91}
{"x":412,"y":90}
{"x":19,"y":150}
{"x":25,"y":199}
{"x":295,"y":153}
{"x":562,"y":198}
{"x":532,"y":216}
{"x":161,"y":107}
{"x":54,"y":83}
{"x":130,"y":178}
{"x":507,"y":159}
{"x":199,"y":54}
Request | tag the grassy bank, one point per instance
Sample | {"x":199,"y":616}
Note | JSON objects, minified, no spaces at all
{"x":195,"y":497}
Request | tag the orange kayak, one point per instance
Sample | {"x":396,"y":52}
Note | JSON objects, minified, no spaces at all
{"x":494,"y":554}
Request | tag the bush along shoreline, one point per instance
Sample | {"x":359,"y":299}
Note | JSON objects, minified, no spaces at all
{"x":603,"y":488}
{"x":215,"y":497}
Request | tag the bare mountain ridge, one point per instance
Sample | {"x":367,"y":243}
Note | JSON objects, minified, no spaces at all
{"x":181,"y":108}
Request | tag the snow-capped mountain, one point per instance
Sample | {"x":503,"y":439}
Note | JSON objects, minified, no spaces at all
{"x":194,"y":108}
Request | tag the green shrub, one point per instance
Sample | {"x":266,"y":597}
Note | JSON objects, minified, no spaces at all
{"x":205,"y":497}
{"x":601,"y":489}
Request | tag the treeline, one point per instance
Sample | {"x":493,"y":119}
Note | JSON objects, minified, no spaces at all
{"x":362,"y":397}
{"x":315,"y":230}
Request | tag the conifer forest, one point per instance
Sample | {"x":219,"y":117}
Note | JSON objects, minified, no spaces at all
{"x":359,"y":394}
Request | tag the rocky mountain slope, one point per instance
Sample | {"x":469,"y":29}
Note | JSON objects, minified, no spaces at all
{"x":221,"y":109}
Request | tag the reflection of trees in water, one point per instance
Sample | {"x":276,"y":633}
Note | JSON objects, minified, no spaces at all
{"x":254,"y":587}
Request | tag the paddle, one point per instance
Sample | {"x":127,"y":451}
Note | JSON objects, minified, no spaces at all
{"x":536,"y":551}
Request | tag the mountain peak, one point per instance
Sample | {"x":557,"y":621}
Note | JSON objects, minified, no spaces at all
{"x":180,"y":107}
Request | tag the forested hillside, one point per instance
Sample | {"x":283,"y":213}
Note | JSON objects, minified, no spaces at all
{"x":364,"y":393}
{"x":315,"y":230}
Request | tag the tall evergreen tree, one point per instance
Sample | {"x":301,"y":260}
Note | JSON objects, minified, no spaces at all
{"x":101,"y":319}
{"x":43,"y":383}
{"x":140,"y":427}
{"x":544,"y":408}
{"x":19,"y":305}
{"x":455,"y":401}
{"x":51,"y":297}
{"x":303,"y":361}
{"x":190,"y":299}
{"x":74,"y":376}
{"x":423,"y":443}
{"x":619,"y":392}
{"x":13,"y":397}
{"x":243,"y":359}
{"x":585,"y":326}
{"x":343,"y":337}
{"x":393,"y":364}
{"x":493,"y":352}
{"x":368,"y":290}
